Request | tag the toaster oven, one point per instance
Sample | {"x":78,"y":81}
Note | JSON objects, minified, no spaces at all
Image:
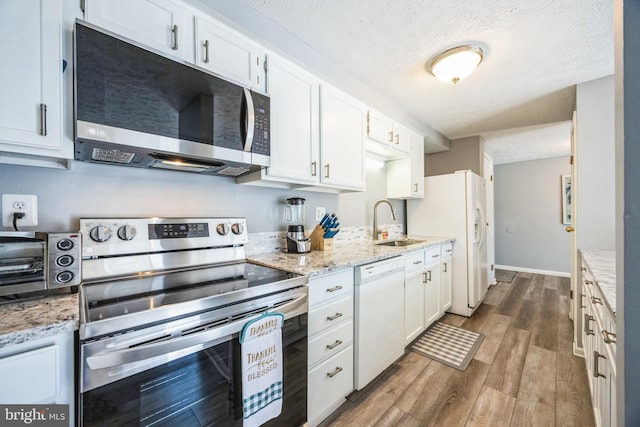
{"x":39,"y":261}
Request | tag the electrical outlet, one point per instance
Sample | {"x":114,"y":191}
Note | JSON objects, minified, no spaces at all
{"x":320,"y":211}
{"x":24,"y":203}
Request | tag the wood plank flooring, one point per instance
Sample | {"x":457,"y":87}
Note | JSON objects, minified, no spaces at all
{"x":523,"y":374}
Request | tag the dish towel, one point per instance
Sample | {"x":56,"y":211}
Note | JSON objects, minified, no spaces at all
{"x":261,"y":341}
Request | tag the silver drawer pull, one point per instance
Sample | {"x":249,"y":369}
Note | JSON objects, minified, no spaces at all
{"x":334,"y":345}
{"x":588,"y":282}
{"x":608,"y":337}
{"x":206,"y":51}
{"x":174,"y":33}
{"x":336,"y":288}
{"x":43,"y":119}
{"x":417,"y":262}
{"x":335,"y":372}
{"x":444,"y":267}
{"x":582,"y":296}
{"x":334,"y":317}
{"x":588,"y":319}
{"x":435,"y":256}
{"x":596,"y":300}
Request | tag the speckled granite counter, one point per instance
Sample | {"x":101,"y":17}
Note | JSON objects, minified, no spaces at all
{"x":345,"y":254}
{"x":602,"y":265}
{"x":40,"y":318}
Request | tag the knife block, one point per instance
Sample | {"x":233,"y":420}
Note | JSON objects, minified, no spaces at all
{"x":318,"y":242}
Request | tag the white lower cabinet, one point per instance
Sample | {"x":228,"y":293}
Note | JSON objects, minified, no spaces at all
{"x":413,"y":296}
{"x":39,"y":372}
{"x":431,"y":280}
{"x":599,"y":343}
{"x":446,"y":283}
{"x":330,"y":359}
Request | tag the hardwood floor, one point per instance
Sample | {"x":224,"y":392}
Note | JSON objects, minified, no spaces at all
{"x":523,"y":374}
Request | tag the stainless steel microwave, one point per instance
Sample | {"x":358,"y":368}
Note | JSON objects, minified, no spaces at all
{"x":137,"y":107}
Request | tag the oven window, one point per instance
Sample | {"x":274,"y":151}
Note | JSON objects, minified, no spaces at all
{"x":200,"y":389}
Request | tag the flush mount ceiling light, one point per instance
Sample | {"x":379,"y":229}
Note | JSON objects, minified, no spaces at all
{"x":455,"y":64}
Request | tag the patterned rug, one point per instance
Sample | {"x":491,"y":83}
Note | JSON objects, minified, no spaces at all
{"x":448,"y":344}
{"x":505,"y":276}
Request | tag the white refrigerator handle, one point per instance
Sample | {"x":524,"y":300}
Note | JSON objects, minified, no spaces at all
{"x":481,"y":226}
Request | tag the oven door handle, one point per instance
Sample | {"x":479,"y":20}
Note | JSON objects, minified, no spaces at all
{"x":194,"y":342}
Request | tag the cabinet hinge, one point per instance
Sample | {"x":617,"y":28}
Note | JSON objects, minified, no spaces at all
{"x":82,"y":5}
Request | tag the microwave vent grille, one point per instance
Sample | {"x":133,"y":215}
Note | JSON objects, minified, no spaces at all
{"x":112,"y":155}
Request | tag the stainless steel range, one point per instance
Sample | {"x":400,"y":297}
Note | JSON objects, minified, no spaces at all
{"x":162,"y":303}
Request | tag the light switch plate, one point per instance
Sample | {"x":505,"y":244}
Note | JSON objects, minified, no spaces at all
{"x":320,"y":211}
{"x":25,"y":203}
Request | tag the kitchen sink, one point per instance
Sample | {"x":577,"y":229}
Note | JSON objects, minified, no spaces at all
{"x":399,"y":243}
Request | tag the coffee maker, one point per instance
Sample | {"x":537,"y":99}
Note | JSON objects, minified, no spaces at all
{"x":297,"y":243}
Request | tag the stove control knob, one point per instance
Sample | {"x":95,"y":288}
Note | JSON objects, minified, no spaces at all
{"x":237,"y":228}
{"x":222,"y":229}
{"x":100,"y":233}
{"x":126,"y":232}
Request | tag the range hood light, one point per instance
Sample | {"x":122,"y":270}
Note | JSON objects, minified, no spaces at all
{"x":455,"y":64}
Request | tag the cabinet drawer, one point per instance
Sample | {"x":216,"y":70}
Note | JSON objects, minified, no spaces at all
{"x":330,"y":315}
{"x":446,"y":250}
{"x":432,"y":255}
{"x":30,"y":377}
{"x":331,"y":286}
{"x":414,"y":261}
{"x":330,"y":382}
{"x":330,"y":342}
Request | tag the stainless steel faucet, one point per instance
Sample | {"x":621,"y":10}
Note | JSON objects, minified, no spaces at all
{"x":375,"y":216}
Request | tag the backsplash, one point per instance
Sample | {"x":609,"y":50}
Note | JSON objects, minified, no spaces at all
{"x":260,"y":243}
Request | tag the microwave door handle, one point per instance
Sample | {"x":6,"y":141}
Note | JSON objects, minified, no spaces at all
{"x":110,"y":359}
{"x":250,"y":120}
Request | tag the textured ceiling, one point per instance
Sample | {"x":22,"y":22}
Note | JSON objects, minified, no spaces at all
{"x":535,"y":53}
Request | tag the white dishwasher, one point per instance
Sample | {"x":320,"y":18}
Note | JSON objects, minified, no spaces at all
{"x":379,"y":318}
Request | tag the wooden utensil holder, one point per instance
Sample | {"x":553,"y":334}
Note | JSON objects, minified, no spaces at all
{"x":318,"y":242}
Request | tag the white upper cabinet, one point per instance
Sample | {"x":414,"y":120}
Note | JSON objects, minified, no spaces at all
{"x":342,"y":136}
{"x":31,"y":77}
{"x":229,"y":54}
{"x":385,"y":137}
{"x":405,"y":177}
{"x":295,"y":117}
{"x":160,"y":24}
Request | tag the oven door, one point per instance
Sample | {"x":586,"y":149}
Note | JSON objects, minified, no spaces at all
{"x":188,"y":372}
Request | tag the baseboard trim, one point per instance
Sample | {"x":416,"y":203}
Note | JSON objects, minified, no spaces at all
{"x":533,"y":270}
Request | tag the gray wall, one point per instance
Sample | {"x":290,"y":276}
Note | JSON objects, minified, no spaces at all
{"x":595,"y":158}
{"x":529,"y":232}
{"x":89,"y":190}
{"x":464,"y":153}
{"x":627,"y":129}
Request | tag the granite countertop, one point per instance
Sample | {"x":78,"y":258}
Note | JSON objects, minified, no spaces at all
{"x":602,"y":265}
{"x":345,"y":254}
{"x":38,"y":318}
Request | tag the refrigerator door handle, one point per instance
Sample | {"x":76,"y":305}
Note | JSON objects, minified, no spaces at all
{"x":481,"y":225}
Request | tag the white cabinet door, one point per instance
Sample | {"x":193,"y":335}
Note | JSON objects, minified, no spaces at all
{"x":431,"y":282}
{"x":295,"y":116}
{"x":160,"y":24}
{"x":341,"y":139}
{"x":413,"y":306}
{"x":379,"y":128}
{"x":405,"y":177}
{"x":401,"y":138}
{"x":229,"y":54}
{"x":446,"y":289}
{"x":31,"y":77}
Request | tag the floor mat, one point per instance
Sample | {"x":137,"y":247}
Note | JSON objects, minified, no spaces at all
{"x":505,"y":276}
{"x":448,"y":344}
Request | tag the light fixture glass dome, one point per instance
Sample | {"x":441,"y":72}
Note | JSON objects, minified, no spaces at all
{"x":455,"y":64}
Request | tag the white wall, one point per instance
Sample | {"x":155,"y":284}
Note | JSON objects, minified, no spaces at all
{"x":529,"y":233}
{"x":595,"y":164}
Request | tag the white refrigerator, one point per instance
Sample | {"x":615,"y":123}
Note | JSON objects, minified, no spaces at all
{"x":454,"y":206}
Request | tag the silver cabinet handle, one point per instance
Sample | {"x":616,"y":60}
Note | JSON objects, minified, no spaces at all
{"x":581,"y":305}
{"x":335,"y":288}
{"x":335,"y":372}
{"x":174,"y":33}
{"x":334,"y":317}
{"x":596,"y":300}
{"x":416,"y":187}
{"x":429,"y":276}
{"x":334,"y":345}
{"x":314,"y":168}
{"x":607,"y":336}
{"x":206,"y":52}
{"x":417,"y":262}
{"x":596,"y":363}
{"x":397,"y":139}
{"x":424,"y":277}
{"x":444,"y":267}
{"x":390,"y":136}
{"x":43,"y":119}
{"x":588,"y":282}
{"x":327,"y":170}
{"x":587,"y":319}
